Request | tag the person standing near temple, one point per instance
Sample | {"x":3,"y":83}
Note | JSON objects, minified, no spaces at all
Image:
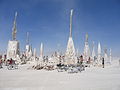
{"x":47,"y":59}
{"x":81,"y":59}
{"x":60,"y":59}
{"x":103,"y":62}
{"x":78,"y":60}
{"x":43,"y":58}
{"x":1,"y":63}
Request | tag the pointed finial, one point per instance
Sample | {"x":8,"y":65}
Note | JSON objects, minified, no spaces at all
{"x":86,"y":37}
{"x":15,"y":14}
{"x":71,"y":13}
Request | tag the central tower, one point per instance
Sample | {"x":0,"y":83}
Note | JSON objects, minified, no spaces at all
{"x":70,"y":52}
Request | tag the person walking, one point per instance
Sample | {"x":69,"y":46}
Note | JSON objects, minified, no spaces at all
{"x":103,"y":62}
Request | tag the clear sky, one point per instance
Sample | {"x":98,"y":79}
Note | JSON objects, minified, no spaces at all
{"x":47,"y":21}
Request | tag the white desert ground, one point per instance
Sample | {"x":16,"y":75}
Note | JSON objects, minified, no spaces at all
{"x":93,"y":78}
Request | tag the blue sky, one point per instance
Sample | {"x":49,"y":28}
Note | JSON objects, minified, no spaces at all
{"x":47,"y":21}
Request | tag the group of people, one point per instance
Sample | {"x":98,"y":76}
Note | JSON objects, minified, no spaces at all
{"x":6,"y":62}
{"x":10,"y":61}
{"x":61,"y":59}
{"x":45,"y":59}
{"x":80,"y":60}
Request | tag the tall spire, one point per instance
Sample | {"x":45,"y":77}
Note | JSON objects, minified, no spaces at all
{"x":71,"y":14}
{"x":99,"y":53}
{"x":99,"y":49}
{"x":70,"y":57}
{"x":93,"y":52}
{"x":41,"y":50}
{"x":86,"y":48}
{"x":34,"y":53}
{"x":27,"y":40}
{"x":14,"y":29}
{"x":86,"y":37}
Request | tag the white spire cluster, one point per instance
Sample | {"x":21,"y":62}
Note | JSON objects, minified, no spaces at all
{"x":70,"y":56}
